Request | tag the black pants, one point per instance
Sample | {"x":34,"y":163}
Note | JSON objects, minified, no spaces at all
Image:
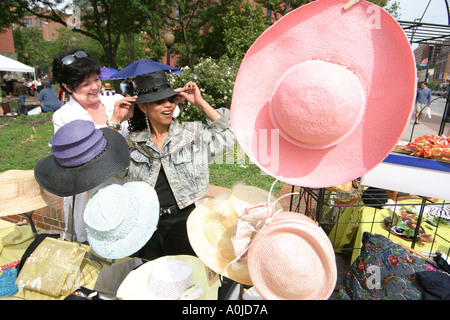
{"x":170,"y":237}
{"x":24,"y":108}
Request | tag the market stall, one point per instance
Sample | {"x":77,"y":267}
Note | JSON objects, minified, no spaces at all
{"x":322,"y":115}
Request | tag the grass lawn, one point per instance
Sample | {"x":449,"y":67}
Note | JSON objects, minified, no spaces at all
{"x":24,"y":140}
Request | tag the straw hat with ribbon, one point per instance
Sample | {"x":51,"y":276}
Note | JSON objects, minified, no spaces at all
{"x":20,"y":193}
{"x":333,"y":90}
{"x":291,"y":258}
{"x":211,"y":228}
{"x":285,"y":255}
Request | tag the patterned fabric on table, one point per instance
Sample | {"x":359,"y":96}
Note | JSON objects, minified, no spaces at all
{"x":383,"y":271}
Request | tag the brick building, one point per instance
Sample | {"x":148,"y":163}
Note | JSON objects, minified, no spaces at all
{"x":7,"y":44}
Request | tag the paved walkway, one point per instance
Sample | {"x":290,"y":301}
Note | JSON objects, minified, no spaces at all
{"x":427,"y":127}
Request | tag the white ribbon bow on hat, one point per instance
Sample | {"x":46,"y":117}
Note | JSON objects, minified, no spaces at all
{"x":252,"y":220}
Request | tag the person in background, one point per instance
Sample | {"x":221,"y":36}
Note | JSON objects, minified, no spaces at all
{"x":423,"y":100}
{"x":8,"y":78}
{"x":123,"y":87}
{"x":21,"y":91}
{"x":48,"y":99}
{"x":37,"y":84}
{"x":130,"y":87}
{"x":78,"y":74}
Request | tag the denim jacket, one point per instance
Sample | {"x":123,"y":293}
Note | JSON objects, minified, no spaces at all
{"x":185,"y":155}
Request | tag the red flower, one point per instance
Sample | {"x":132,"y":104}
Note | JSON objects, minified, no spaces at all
{"x":362,"y":265}
{"x":393,"y":260}
{"x":430,"y":267}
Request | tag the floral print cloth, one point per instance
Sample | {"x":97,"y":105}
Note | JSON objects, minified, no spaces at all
{"x":383,"y":271}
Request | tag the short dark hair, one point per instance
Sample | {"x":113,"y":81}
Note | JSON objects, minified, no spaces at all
{"x":75,"y":73}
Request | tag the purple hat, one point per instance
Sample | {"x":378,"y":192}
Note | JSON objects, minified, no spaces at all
{"x":82,"y":158}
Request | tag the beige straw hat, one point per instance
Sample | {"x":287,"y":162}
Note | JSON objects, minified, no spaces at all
{"x":20,"y":193}
{"x":212,"y":224}
{"x":291,"y":258}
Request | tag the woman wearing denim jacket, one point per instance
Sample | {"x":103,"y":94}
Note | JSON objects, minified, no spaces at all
{"x":173,"y":157}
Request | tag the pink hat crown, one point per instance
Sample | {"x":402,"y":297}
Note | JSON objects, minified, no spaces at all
{"x":316,"y":103}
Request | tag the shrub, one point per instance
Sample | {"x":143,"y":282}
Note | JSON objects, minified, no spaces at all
{"x":215,"y":78}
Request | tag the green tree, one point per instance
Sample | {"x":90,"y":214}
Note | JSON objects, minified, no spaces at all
{"x":238,"y":39}
{"x":105,"y":21}
{"x":30,"y":46}
{"x":279,"y":8}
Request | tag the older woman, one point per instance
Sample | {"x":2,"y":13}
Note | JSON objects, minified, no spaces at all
{"x":173,"y":157}
{"x":78,"y":74}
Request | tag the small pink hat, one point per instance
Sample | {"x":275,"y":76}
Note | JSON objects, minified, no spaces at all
{"x":291,"y":258}
{"x":324,"y":94}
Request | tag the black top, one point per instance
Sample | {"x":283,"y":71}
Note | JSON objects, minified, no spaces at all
{"x":163,"y":190}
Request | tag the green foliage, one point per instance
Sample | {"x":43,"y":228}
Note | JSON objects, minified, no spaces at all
{"x":238,"y":39}
{"x":215,"y":79}
{"x":407,"y":232}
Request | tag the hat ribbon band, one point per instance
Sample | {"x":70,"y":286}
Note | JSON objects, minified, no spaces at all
{"x":68,"y":164}
{"x":153,"y":89}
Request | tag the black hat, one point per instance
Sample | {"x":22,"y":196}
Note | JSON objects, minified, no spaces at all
{"x":82,"y":158}
{"x":153,"y":86}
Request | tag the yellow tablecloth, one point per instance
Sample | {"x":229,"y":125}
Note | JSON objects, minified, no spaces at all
{"x":354,"y":221}
{"x":15,"y":239}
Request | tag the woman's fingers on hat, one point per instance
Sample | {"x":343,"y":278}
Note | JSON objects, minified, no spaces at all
{"x":180,"y":98}
{"x":124,"y":108}
{"x":191,"y":87}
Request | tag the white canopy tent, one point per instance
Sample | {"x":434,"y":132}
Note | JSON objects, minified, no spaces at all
{"x":7,"y":64}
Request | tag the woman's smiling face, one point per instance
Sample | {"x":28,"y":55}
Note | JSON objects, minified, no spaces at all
{"x":88,"y":92}
{"x":159,"y":112}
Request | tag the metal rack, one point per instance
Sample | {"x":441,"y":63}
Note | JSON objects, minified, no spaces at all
{"x":319,"y":203}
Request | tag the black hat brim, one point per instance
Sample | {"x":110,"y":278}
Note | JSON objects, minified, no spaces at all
{"x":69,"y":181}
{"x":155,"y":96}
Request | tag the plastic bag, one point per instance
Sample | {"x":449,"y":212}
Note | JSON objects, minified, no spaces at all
{"x":53,"y":268}
{"x":428,"y":112}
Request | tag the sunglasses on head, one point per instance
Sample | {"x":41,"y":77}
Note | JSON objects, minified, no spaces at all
{"x":72,"y":57}
{"x":170,"y":99}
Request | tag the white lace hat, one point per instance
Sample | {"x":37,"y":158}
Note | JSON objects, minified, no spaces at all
{"x":121,"y":219}
{"x":180,"y":277}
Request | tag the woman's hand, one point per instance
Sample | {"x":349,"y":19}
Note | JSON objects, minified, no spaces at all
{"x":123,"y":109}
{"x":192,"y":94}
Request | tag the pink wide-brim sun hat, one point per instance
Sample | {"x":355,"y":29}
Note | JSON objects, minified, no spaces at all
{"x":324,"y":94}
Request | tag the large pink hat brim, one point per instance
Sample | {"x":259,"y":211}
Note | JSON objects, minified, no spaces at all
{"x":322,"y":30}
